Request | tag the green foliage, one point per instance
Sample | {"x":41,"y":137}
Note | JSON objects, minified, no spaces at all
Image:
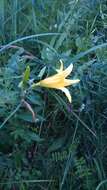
{"x":45,"y":143}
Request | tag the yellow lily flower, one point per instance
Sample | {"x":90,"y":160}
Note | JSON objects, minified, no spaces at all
{"x":59,"y":81}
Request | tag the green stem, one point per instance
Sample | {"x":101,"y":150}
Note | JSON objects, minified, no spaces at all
{"x":5,"y":121}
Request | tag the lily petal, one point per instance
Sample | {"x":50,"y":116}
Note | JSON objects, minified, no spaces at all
{"x":67,"y":71}
{"x":59,"y":81}
{"x":61,"y":67}
{"x":67,"y":93}
{"x":68,"y":82}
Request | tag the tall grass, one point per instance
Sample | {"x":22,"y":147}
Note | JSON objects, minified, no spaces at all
{"x":64,"y":147}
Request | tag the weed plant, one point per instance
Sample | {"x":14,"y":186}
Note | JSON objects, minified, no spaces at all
{"x":46,"y":143}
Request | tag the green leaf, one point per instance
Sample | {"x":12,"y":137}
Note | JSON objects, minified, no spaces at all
{"x":56,"y":144}
{"x":25,"y":77}
{"x":26,"y":117}
{"x":26,"y":74}
{"x":33,"y":136}
{"x":26,"y":135}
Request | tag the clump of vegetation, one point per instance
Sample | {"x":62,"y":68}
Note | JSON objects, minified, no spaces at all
{"x":46,"y":142}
